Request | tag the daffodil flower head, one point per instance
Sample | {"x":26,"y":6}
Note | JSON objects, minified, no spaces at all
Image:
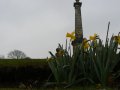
{"x":84,"y":40}
{"x":71,"y":36}
{"x":85,"y":43}
{"x":93,"y":37}
{"x":86,"y":46}
{"x":117,"y":39}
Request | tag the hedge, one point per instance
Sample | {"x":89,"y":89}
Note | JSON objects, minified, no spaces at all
{"x":13,"y":71}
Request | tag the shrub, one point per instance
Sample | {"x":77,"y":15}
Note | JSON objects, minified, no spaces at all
{"x":13,"y":71}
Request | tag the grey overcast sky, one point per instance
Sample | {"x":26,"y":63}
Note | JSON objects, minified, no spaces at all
{"x":37,"y":26}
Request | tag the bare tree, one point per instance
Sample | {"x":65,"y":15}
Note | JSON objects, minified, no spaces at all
{"x":16,"y":54}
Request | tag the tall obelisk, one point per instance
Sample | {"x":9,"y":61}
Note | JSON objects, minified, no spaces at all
{"x":78,"y":23}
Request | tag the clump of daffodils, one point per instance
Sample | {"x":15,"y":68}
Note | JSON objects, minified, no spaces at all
{"x":91,"y":60}
{"x":85,"y":42}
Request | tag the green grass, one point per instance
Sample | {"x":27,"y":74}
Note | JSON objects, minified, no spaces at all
{"x":23,"y":63}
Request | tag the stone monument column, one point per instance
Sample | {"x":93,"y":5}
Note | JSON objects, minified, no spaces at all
{"x":78,"y":23}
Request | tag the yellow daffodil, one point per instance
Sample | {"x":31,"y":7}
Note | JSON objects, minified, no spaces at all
{"x":86,"y":46}
{"x":85,"y":43}
{"x":93,"y":37}
{"x":117,"y":39}
{"x":84,"y":40}
{"x":71,"y":36}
